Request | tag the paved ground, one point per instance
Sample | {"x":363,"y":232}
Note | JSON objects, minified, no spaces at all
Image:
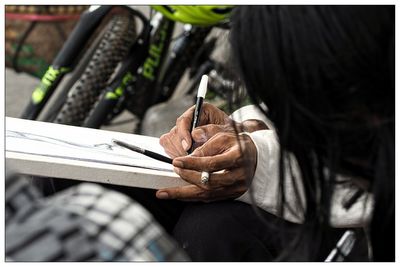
{"x":18,"y":89}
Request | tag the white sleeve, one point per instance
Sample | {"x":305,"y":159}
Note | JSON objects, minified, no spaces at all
{"x":250,"y":112}
{"x":265,"y":183}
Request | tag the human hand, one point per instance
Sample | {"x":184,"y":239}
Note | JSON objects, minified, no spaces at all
{"x":231,"y":166}
{"x":179,"y":139}
{"x":212,"y":121}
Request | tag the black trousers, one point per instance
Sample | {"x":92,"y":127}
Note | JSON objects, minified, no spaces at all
{"x":232,"y":231}
{"x":227,"y":231}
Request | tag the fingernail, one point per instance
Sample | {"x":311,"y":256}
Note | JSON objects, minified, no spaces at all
{"x":178,"y":163}
{"x":162,"y":195}
{"x":185,"y":144}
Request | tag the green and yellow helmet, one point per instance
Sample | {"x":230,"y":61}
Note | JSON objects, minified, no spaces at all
{"x":196,"y":15}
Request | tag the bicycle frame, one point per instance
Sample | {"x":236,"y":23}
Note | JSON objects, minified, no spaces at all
{"x":141,"y":66}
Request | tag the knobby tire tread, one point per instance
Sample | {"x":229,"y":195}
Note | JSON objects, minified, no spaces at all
{"x":112,"y":49}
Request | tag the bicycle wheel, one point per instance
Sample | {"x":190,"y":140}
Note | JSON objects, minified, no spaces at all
{"x":114,"y":46}
{"x":84,"y":223}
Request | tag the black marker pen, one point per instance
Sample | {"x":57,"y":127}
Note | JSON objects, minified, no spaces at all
{"x":143,"y":151}
{"x":201,"y":94}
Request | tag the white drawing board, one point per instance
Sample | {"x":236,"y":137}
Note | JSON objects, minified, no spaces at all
{"x":54,"y":150}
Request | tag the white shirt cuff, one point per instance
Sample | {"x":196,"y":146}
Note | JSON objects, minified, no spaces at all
{"x":250,"y":112}
{"x":265,"y":183}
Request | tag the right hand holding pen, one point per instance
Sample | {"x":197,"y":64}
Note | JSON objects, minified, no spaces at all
{"x":230,"y":158}
{"x":179,"y":139}
{"x":212,"y":121}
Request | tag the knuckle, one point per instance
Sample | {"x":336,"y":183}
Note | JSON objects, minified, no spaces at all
{"x":199,"y":152}
{"x":215,"y":130}
{"x":220,"y":135}
{"x":227,"y":181}
{"x":227,"y":127}
{"x":227,"y":178}
{"x":238,"y":157}
{"x":239,"y":161}
{"x":181,"y":119}
{"x":163,"y":139}
{"x":203,"y":187}
{"x":210,"y":165}
{"x":177,"y":193}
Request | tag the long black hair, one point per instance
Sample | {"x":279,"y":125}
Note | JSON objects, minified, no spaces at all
{"x":326,"y":75}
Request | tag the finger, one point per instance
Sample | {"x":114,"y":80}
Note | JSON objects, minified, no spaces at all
{"x":216,"y":179}
{"x":194,"y":193}
{"x":209,"y":114}
{"x":187,"y":192}
{"x":217,"y":144}
{"x":209,"y":164}
{"x":183,"y":124}
{"x":220,"y":152}
{"x":216,"y":163}
{"x":203,"y":133}
{"x":164,"y":142}
{"x":212,"y":114}
{"x":173,"y":149}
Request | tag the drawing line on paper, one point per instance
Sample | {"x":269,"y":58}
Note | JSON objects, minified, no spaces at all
{"x":105,"y":148}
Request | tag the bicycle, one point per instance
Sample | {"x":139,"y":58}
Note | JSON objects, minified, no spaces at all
{"x":122,"y":70}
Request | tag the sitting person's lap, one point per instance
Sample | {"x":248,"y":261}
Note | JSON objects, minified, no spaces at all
{"x":228,"y":231}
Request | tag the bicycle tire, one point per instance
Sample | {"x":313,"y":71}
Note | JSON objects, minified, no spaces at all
{"x":84,"y":223}
{"x":57,"y":101}
{"x":114,"y":46}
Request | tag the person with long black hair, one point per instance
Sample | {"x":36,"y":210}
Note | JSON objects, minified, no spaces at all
{"x":322,"y":162}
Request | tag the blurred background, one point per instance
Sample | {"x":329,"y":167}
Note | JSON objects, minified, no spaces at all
{"x":34,"y":35}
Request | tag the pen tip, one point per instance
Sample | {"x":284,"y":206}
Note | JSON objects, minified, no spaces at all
{"x":117,"y":142}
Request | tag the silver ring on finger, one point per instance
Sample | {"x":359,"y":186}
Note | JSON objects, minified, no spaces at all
{"x":205,"y":176}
